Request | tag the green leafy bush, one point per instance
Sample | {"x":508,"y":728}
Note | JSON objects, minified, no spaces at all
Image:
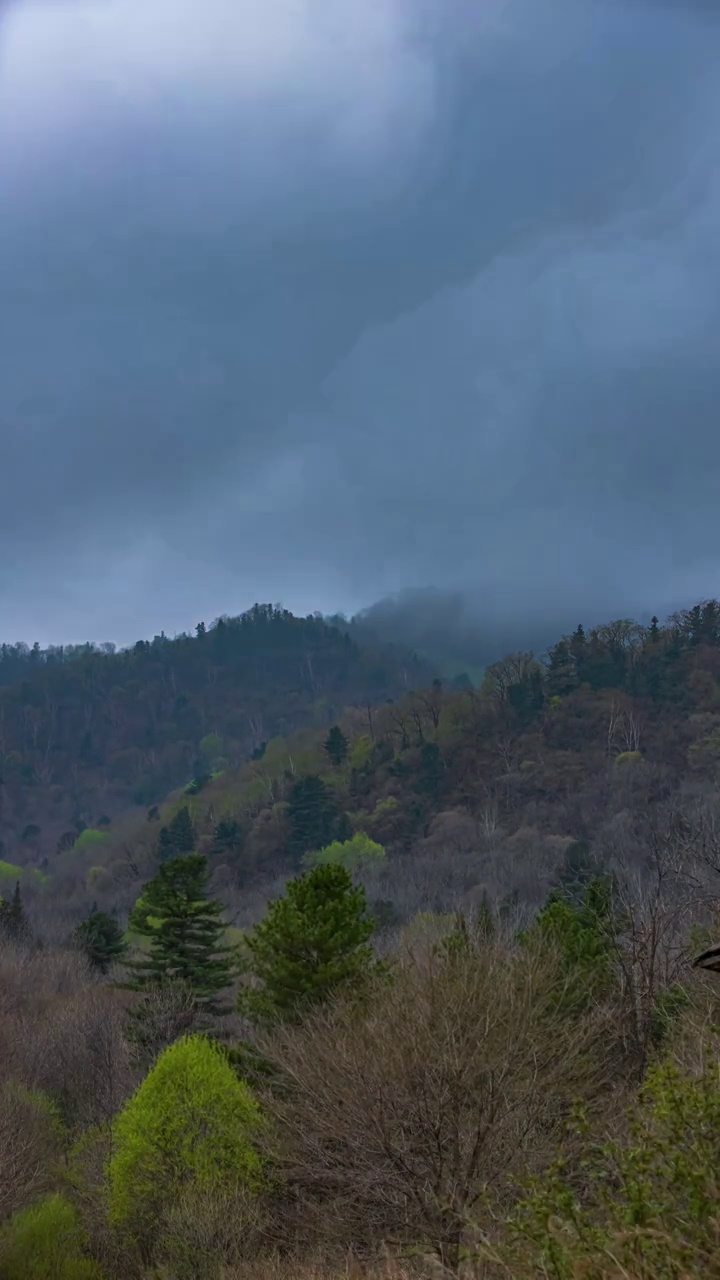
{"x":189,"y":1126}
{"x":644,"y":1206}
{"x":46,"y":1242}
{"x":354,"y":854}
{"x":90,"y":838}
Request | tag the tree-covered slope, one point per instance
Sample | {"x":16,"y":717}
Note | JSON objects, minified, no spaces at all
{"x":86,"y":733}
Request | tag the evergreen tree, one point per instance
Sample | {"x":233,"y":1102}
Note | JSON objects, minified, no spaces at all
{"x":561,"y":673}
{"x":343,"y":828}
{"x":228,"y":836}
{"x":527,"y":697}
{"x":312,"y":816}
{"x":337,"y":745}
{"x":578,"y":869}
{"x":178,"y":837}
{"x":583,"y":935}
{"x":313,"y":942}
{"x":13,"y":921}
{"x":184,"y":928}
{"x":101,"y":939}
{"x":430,"y":770}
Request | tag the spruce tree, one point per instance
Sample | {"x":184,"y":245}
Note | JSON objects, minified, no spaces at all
{"x":101,"y":939}
{"x":184,"y":929}
{"x":312,"y":943}
{"x":337,"y":745}
{"x":178,"y":837}
{"x":13,"y":921}
{"x":312,"y":815}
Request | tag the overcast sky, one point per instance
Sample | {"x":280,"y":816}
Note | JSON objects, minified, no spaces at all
{"x":312,"y":300}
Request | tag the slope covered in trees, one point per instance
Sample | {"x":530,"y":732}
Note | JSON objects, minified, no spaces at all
{"x":86,"y":733}
{"x":548,"y":764}
{"x":316,"y":936}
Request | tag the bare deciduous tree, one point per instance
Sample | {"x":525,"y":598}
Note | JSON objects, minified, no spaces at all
{"x":399,"y":1121}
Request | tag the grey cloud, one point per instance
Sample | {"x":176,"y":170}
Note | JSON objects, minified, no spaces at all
{"x":439,"y":303}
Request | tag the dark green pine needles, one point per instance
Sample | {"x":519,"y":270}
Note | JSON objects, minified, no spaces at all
{"x":313,"y":942}
{"x":184,"y":928}
{"x":101,"y":939}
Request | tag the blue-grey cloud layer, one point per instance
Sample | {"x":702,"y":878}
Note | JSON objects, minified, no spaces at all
{"x":311,"y":302}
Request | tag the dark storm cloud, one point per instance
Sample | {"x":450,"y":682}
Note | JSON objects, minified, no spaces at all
{"x":316,"y":302}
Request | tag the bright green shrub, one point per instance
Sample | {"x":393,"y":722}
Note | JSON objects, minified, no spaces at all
{"x":46,"y":1242}
{"x":361,"y":751}
{"x":8,"y":871}
{"x":90,"y":838}
{"x":188,"y":1126}
{"x":354,"y":854}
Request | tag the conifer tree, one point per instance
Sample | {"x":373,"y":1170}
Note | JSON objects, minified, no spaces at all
{"x":313,"y":942}
{"x":101,"y":939}
{"x":13,"y":921}
{"x":337,"y":745}
{"x":312,"y":816}
{"x":184,"y":929}
{"x":178,"y":837}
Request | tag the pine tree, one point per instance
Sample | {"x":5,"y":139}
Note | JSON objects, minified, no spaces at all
{"x":312,"y":943}
{"x":179,"y":837}
{"x":337,"y":745}
{"x":13,"y":921}
{"x":312,"y":816}
{"x":184,"y":928}
{"x":228,"y":836}
{"x":101,"y":939}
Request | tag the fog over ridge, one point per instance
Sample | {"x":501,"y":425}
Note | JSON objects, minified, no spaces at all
{"x":317,"y":301}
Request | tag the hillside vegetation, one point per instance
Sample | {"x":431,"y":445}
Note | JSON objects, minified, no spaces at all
{"x":466,"y":790}
{"x":409,"y":993}
{"x":87,"y":733}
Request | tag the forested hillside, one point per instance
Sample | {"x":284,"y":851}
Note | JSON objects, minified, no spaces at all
{"x":239,"y":1032}
{"x":466,"y":790}
{"x":87,"y":733}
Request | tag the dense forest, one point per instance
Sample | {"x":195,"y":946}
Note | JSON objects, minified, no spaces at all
{"x":240,"y":1022}
{"x":86,"y":733}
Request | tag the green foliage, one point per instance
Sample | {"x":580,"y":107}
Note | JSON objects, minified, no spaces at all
{"x":45,"y":1241}
{"x":9,"y":871}
{"x":184,"y":928}
{"x":189,"y":1126}
{"x":90,"y":838}
{"x":361,"y":751}
{"x":228,"y":836}
{"x":628,"y":757}
{"x":647,"y":1203}
{"x":468,"y":937}
{"x":312,"y":943}
{"x":312,"y":815}
{"x":337,"y":745}
{"x":101,"y":939}
{"x":578,"y":870}
{"x":178,"y":837}
{"x":354,"y":854}
{"x":197,"y":784}
{"x":582,"y":934}
{"x":13,"y":921}
{"x":211,"y":746}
